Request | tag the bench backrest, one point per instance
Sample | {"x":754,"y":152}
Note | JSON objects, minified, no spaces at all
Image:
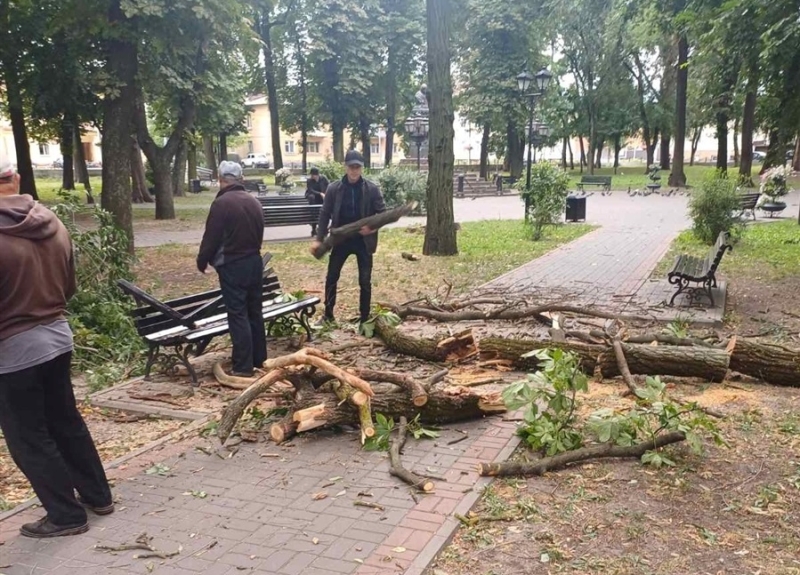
{"x":291,"y":215}
{"x":595,"y":179}
{"x":715,"y":254}
{"x":293,"y":200}
{"x":749,"y":201}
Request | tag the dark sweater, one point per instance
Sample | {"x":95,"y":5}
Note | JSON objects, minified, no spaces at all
{"x":234,"y":228}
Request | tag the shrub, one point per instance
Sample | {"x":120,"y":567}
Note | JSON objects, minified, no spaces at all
{"x":106,"y":341}
{"x":400,"y":186}
{"x":547,"y":196}
{"x":714,"y":208}
{"x":331,"y":170}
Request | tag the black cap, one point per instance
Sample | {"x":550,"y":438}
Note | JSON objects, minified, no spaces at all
{"x":314,"y":171}
{"x":354,"y":158}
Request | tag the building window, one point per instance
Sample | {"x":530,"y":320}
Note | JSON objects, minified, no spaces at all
{"x":374,"y":148}
{"x":313,"y":147}
{"x":288,"y":147}
{"x":395,"y":148}
{"x":250,"y":147}
{"x":44,"y":149}
{"x":249,"y":121}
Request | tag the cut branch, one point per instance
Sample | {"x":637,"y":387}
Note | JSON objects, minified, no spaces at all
{"x":562,"y":460}
{"x":396,"y":468}
{"x":509,"y":311}
{"x":313,"y":357}
{"x":236,"y":408}
{"x":340,"y":234}
{"x":418,"y":394}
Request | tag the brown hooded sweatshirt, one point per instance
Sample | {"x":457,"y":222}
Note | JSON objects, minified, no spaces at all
{"x":37,"y":274}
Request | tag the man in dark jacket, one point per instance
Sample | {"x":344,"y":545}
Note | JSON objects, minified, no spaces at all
{"x":316,"y":186}
{"x":232,"y":244}
{"x":346,"y":201}
{"x":44,"y":431}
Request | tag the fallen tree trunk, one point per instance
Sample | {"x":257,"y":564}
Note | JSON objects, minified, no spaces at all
{"x":510,"y":311}
{"x":771,"y":363}
{"x":680,"y":361}
{"x":418,"y":394}
{"x":419,"y":347}
{"x":340,"y":234}
{"x":447,"y":406}
{"x":562,"y":460}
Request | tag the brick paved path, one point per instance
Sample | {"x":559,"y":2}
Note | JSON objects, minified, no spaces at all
{"x":260,"y":516}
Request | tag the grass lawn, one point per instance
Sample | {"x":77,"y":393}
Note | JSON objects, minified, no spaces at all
{"x":770,"y":251}
{"x":487,"y":249}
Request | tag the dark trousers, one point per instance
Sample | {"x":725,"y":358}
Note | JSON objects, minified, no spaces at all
{"x":240,"y":281}
{"x":48,"y":440}
{"x":339,"y":255}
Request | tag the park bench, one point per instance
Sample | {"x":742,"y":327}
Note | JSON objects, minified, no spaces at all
{"x":748,"y":203}
{"x":291,"y":210}
{"x":255,"y":186}
{"x":185,"y":326}
{"x":602,"y":181}
{"x":688,"y":270}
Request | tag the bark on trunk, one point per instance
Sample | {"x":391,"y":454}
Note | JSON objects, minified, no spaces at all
{"x":391,"y":103}
{"x":440,"y":229}
{"x":617,"y":148}
{"x":337,"y":126}
{"x":484,"y":167}
{"x":665,"y":159}
{"x":179,"y":170}
{"x":81,"y":170}
{"x":571,"y":155}
{"x":736,"y":142}
{"x":366,"y":140}
{"x":211,"y":157}
{"x":564,"y":143}
{"x":223,"y":146}
{"x":16,"y":112}
{"x":677,"y":178}
{"x":67,"y":148}
{"x":516,"y":151}
{"x":140,"y":193}
{"x":162,"y":182}
{"x":598,"y":163}
{"x":749,"y":125}
{"x":265,"y":32}
{"x":583,"y":152}
{"x":118,"y":129}
{"x":771,"y":363}
{"x":796,"y":157}
{"x":698,"y":132}
{"x":191,"y":159}
{"x":651,"y":151}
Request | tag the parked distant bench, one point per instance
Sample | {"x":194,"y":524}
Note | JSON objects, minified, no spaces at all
{"x":748,"y":203}
{"x":602,"y":181}
{"x":255,"y":186}
{"x":187,"y":325}
{"x":288,"y":211}
{"x":689,"y":270}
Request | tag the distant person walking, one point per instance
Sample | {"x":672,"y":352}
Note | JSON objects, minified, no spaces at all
{"x":45,"y":433}
{"x":316,"y":186}
{"x":232,"y":244}
{"x":346,"y":201}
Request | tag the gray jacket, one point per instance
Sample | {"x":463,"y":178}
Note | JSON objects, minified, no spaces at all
{"x":371,"y":204}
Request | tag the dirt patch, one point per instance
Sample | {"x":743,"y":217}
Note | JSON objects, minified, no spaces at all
{"x":733,"y":510}
{"x":765,"y":307}
{"x":115,"y":433}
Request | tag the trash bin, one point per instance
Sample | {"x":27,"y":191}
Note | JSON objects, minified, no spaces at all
{"x":460,"y":192}
{"x":576,"y":209}
{"x":195,"y":187}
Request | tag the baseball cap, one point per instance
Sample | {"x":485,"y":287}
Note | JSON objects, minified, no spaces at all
{"x":354,"y":158}
{"x":6,"y":168}
{"x":314,"y":171}
{"x":230,"y":169}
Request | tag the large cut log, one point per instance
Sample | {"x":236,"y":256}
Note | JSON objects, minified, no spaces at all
{"x":770,"y":363}
{"x":445,"y":406}
{"x":340,"y":234}
{"x":703,"y":362}
{"x":419,"y":347}
{"x":510,"y":311}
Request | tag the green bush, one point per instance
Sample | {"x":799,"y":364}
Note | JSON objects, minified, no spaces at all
{"x":400,"y":186}
{"x":547,"y":196}
{"x":330,"y":169}
{"x":106,"y":342}
{"x":714,"y":208}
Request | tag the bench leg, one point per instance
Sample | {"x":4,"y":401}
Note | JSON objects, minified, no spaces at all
{"x":304,"y":315}
{"x":708,"y":285}
{"x":682,"y":285}
{"x":152,"y":357}
{"x":169,"y":361}
{"x":201,"y":346}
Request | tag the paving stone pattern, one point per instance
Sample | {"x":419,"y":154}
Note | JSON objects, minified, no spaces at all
{"x":259,"y":515}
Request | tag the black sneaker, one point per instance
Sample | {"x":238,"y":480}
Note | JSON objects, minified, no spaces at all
{"x":244,"y":374}
{"x":44,"y":529}
{"x":102,"y":510}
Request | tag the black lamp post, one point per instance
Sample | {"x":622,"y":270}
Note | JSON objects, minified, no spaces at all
{"x":532,"y":87}
{"x":417,"y":130}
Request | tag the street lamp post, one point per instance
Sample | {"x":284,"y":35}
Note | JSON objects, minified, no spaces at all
{"x":540,"y":82}
{"x":417,"y":130}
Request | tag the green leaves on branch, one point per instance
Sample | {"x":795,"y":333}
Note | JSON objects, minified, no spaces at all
{"x":546,"y":196}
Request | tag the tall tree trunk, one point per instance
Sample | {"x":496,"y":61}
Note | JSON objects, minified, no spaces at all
{"x":571,"y":155}
{"x":696,"y":135}
{"x":677,"y":178}
{"x":366,"y":140}
{"x":179,"y":170}
{"x":749,"y":124}
{"x":440,"y":231}
{"x":139,"y":191}
{"x":337,"y":127}
{"x":118,"y":110}
{"x":265,"y":32}
{"x":722,"y":140}
{"x":67,"y":147}
{"x":391,"y":103}
{"x":796,"y":157}
{"x":617,"y":148}
{"x":583,"y":152}
{"x":484,"y":167}
{"x":599,"y":156}
{"x":736,"y":142}
{"x":564,"y":143}
{"x":665,"y":159}
{"x":162,"y":182}
{"x":591,"y":142}
{"x":16,"y":112}
{"x":191,"y":159}
{"x":515,"y":151}
{"x":223,"y":147}
{"x":304,"y":144}
{"x":211,"y":156}
{"x":81,"y":170}
{"x":650,"y":151}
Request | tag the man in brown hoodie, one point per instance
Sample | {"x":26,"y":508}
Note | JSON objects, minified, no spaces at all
{"x":44,"y":431}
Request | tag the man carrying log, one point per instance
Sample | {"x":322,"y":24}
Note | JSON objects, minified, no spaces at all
{"x":348,"y":200}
